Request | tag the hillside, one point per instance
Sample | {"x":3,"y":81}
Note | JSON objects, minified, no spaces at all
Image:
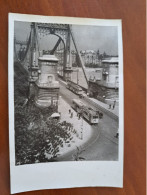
{"x":37,"y":137}
{"x":20,"y":83}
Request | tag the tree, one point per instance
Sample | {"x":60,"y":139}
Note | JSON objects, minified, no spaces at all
{"x":38,"y":138}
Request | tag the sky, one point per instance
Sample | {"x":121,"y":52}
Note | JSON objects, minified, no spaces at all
{"x":104,"y":38}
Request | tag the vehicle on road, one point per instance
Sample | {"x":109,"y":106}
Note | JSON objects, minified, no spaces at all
{"x":82,"y":95}
{"x":75,"y":88}
{"x":55,"y":116}
{"x":91,"y":115}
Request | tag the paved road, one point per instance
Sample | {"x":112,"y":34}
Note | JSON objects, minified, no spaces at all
{"x":103,"y":145}
{"x":67,"y":94}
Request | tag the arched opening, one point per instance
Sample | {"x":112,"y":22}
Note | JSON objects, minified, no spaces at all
{"x":53,"y":44}
{"x":48,"y":42}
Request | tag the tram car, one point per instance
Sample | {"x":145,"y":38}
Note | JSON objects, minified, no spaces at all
{"x":91,"y":115}
{"x":74,"y":88}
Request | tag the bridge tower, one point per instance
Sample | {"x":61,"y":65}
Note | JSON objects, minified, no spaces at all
{"x":33,"y":62}
{"x":63,"y":32}
{"x":67,"y":69}
{"x":66,"y":36}
{"x":47,"y":86}
{"x":19,"y":49}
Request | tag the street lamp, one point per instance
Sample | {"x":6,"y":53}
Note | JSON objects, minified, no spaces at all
{"x":77,"y":76}
{"x":82,"y":123}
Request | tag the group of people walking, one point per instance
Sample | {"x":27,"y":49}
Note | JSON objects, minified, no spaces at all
{"x":112,"y":106}
{"x":71,"y":114}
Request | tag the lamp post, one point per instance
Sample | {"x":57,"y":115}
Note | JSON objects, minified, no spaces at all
{"x":82,"y":123}
{"x":57,"y":103}
{"x":77,"y":76}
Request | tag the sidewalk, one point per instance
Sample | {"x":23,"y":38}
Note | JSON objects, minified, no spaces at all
{"x":103,"y":107}
{"x":106,"y":106}
{"x":84,"y":131}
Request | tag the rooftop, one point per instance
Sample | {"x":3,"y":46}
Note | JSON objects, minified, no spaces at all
{"x":111,"y":60}
{"x":48,"y":58}
{"x":88,"y":51}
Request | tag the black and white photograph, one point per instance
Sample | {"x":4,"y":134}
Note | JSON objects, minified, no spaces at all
{"x":65,"y":80}
{"x":66,"y":92}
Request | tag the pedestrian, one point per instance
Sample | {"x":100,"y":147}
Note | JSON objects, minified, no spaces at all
{"x":117,"y":134}
{"x":114,"y":104}
{"x":109,"y":106}
{"x":69,"y":111}
{"x":71,"y":115}
{"x":100,"y":115}
{"x":79,"y":116}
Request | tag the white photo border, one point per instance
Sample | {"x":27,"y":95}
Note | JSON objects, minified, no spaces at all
{"x":54,"y":175}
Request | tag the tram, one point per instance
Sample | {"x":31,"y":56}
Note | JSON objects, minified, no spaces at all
{"x":91,"y":115}
{"x":74,"y":88}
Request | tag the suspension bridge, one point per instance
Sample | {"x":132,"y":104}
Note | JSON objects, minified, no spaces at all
{"x":65,"y":48}
{"x":29,"y":50}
